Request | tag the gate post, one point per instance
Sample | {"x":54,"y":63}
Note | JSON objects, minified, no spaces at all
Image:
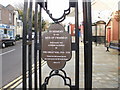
{"x":40,"y":30}
{"x":35,"y":45}
{"x":24,"y":42}
{"x":77,"y":46}
{"x":30,"y":44}
{"x":87,"y":44}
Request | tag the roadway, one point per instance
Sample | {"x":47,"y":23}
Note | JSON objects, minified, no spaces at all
{"x":11,"y":62}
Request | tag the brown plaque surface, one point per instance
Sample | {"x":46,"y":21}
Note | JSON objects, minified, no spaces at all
{"x":56,"y":65}
{"x":56,"y":46}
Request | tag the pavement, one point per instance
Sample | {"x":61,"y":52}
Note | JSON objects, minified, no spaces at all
{"x":105,"y":69}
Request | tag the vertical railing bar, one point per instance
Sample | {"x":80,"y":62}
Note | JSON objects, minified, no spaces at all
{"x":89,"y":18}
{"x":68,"y":28}
{"x":24,"y":58}
{"x":85,"y":52}
{"x":87,"y":44}
{"x":89,"y":64}
{"x":77,"y":42}
{"x":105,"y":36}
{"x":35,"y":44}
{"x":40,"y":29}
{"x":30,"y":46}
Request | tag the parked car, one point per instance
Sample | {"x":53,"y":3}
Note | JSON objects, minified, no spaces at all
{"x":6,"y":40}
{"x":17,"y":37}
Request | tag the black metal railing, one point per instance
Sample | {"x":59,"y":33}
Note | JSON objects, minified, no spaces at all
{"x":27,"y":45}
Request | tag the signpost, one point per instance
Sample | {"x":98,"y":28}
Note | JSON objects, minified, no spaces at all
{"x":56,"y":47}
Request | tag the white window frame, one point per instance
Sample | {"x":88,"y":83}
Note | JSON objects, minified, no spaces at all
{"x":10,"y":17}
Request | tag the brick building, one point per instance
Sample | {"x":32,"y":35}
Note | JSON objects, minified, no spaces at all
{"x":9,"y":18}
{"x":112,"y":28}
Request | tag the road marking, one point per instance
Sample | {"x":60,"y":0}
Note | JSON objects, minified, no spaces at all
{"x":18,"y":80}
{"x":7,"y":52}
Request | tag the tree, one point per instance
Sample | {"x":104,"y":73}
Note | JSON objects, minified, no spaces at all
{"x":43,"y":22}
{"x":20,"y":7}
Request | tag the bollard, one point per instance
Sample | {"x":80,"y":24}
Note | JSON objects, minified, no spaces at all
{"x":107,"y":49}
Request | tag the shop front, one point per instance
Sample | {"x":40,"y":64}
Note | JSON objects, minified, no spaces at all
{"x":7,"y":29}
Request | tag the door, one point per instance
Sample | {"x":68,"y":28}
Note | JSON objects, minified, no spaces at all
{"x":109,"y":35}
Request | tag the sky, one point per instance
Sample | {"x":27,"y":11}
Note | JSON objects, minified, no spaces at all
{"x":12,"y":2}
{"x":57,"y":7}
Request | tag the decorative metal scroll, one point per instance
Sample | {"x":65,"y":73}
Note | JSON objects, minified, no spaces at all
{"x":62,"y":18}
{"x":56,"y":73}
{"x":39,"y":46}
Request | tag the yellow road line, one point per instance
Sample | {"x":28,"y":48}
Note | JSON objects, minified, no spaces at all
{"x":16,"y":84}
{"x":12,"y":82}
{"x":18,"y":80}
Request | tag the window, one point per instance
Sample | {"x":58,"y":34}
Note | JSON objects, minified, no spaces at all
{"x":10,"y":17}
{"x":0,"y":15}
{"x":5,"y":31}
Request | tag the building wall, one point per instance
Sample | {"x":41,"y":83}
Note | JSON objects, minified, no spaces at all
{"x":9,"y":20}
{"x":19,"y":31}
{"x":72,"y":29}
{"x":112,"y":29}
{"x":119,"y":28}
{"x":115,"y":28}
{"x":108,"y":32}
{"x":11,"y":11}
{"x":0,"y":13}
{"x":5,"y":15}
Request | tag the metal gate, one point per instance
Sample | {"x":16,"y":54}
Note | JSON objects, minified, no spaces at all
{"x":27,"y":45}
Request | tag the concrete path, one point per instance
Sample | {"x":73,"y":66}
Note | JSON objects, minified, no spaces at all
{"x":105,"y":69}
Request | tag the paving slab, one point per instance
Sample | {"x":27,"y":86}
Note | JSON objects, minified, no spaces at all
{"x":105,"y":69}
